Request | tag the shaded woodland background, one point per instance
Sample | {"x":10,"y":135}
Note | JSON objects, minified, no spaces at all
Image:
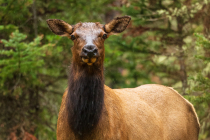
{"x":167,"y":42}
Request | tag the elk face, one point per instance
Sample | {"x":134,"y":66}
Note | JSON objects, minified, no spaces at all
{"x":88,"y":38}
{"x":88,"y":43}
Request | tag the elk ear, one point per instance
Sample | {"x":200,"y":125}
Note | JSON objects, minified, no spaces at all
{"x":117,"y":25}
{"x":60,"y":27}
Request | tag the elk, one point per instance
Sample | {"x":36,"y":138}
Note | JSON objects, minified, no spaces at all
{"x":91,"y":110}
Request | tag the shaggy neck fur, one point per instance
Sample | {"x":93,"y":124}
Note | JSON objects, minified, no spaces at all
{"x":85,"y":99}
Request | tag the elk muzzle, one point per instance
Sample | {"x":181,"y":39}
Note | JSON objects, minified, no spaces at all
{"x":89,"y":54}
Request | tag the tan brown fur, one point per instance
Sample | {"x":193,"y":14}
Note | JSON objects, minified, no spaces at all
{"x":147,"y":112}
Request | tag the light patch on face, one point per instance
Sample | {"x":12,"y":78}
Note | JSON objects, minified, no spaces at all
{"x":89,"y":61}
{"x":88,"y":32}
{"x":93,"y":60}
{"x":85,"y":60}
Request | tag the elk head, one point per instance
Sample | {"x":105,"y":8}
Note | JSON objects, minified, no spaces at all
{"x":88,"y":38}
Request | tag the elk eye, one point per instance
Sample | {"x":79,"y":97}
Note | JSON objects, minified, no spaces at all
{"x":72,"y":37}
{"x":104,"y":36}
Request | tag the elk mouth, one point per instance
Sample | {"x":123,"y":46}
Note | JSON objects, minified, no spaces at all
{"x":89,"y":61}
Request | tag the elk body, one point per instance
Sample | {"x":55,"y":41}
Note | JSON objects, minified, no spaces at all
{"x":92,"y":111}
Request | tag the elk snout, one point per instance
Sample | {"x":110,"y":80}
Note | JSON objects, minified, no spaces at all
{"x":89,"y":54}
{"x":89,"y":51}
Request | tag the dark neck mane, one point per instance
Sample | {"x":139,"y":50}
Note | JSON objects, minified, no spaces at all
{"x":85,"y":99}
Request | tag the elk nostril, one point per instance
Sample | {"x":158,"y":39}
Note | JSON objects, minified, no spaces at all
{"x":85,"y":51}
{"x":95,"y":51}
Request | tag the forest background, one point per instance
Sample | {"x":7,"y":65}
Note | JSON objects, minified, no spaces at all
{"x":167,"y":42}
